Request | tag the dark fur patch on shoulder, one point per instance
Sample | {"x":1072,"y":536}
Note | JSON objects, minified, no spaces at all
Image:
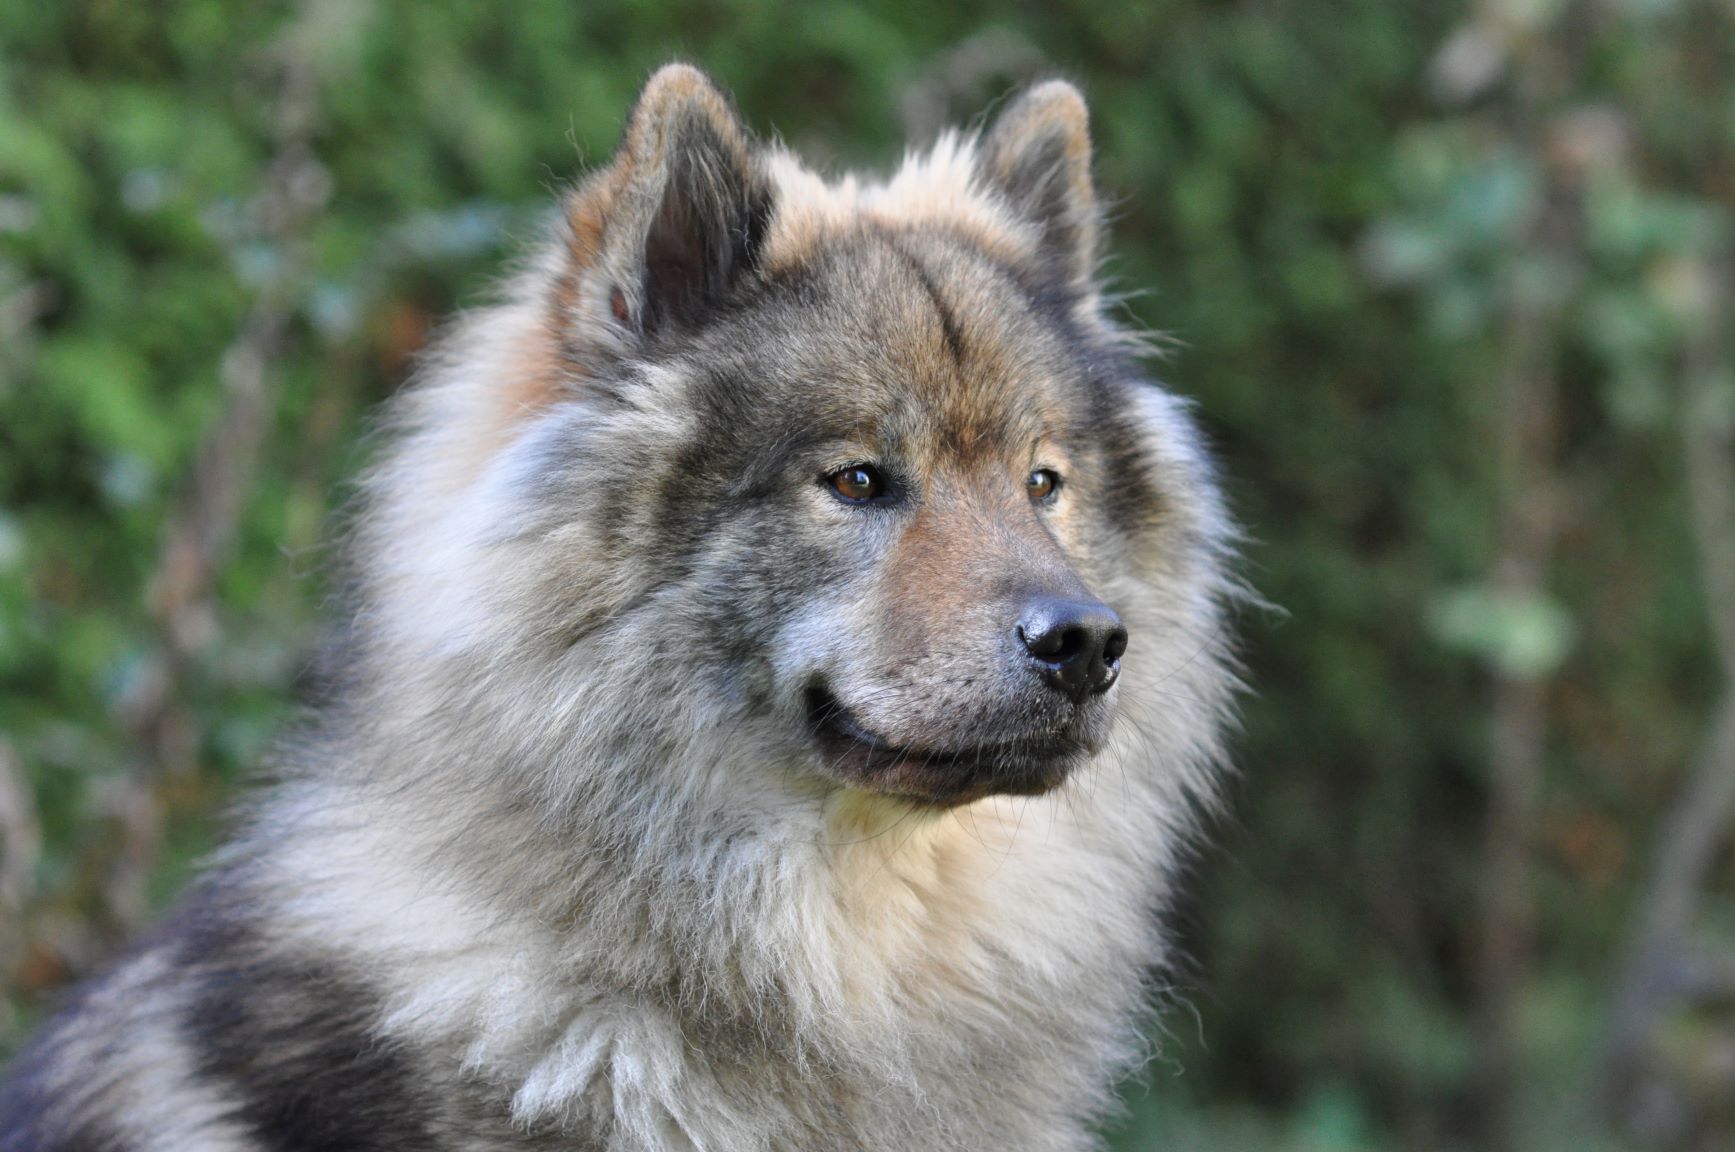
{"x":290,"y":1039}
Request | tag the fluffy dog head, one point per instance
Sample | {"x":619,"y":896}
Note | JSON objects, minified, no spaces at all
{"x":850,"y":486}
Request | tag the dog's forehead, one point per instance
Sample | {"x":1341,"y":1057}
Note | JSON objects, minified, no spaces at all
{"x":917,"y":336}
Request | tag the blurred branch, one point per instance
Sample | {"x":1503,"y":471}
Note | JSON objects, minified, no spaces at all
{"x":1658,"y":967}
{"x":20,"y":851}
{"x":20,"y":305}
{"x":1529,"y":526}
{"x":1537,"y":282}
{"x":200,"y":531}
{"x":20,"y":845}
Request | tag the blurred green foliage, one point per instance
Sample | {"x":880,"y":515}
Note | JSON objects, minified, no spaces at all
{"x":1326,"y":204}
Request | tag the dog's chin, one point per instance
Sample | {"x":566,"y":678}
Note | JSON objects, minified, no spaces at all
{"x":937,"y":777}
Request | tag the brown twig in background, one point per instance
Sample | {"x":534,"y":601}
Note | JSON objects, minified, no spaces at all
{"x":20,"y":305}
{"x":1538,"y":281}
{"x":1528,"y":526}
{"x":1659,"y":968}
{"x":199,"y":533}
{"x":20,"y":849}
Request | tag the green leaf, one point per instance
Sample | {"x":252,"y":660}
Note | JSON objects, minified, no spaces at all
{"x":1523,"y":636}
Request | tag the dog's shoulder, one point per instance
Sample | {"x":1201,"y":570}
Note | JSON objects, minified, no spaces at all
{"x":213,"y":1033}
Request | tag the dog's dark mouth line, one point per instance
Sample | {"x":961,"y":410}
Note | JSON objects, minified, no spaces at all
{"x":828,"y":717}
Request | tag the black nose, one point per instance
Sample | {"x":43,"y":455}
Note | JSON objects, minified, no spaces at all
{"x":1075,"y":644}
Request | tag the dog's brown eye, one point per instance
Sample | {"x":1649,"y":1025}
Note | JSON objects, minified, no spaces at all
{"x":858,"y":483}
{"x":1042,"y":483}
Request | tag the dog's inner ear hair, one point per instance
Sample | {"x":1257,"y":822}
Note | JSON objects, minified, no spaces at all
{"x":695,"y":208}
{"x":1037,"y":157}
{"x":706,"y":233}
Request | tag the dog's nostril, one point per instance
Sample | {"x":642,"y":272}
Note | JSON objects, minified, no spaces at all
{"x":1075,"y":645}
{"x":1054,"y":644}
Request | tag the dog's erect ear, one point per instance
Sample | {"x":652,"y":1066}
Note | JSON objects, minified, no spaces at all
{"x":680,"y":214}
{"x":1037,"y":155}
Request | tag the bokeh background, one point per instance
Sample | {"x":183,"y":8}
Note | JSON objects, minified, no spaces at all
{"x":1451,"y":283}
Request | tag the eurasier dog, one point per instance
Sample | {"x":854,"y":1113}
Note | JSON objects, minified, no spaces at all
{"x":788,"y":650}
